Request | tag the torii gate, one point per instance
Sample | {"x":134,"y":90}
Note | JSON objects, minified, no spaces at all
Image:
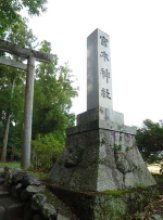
{"x":31,"y":56}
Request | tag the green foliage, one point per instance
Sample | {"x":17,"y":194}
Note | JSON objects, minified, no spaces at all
{"x":53,"y":97}
{"x":10,"y":11}
{"x":20,"y":34}
{"x":52,"y":101}
{"x":11,"y":99}
{"x":14,"y":28}
{"x":12,"y":82}
{"x":10,"y":164}
{"x":53,"y":88}
{"x":152,"y":158}
{"x":46,"y":148}
{"x":150,"y":138}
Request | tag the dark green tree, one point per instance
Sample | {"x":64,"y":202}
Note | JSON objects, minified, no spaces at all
{"x":10,"y":11}
{"x":12,"y":85}
{"x":52,"y":103}
{"x":53,"y":85}
{"x":53,"y":96}
{"x":11,"y":108}
{"x":150,"y":137}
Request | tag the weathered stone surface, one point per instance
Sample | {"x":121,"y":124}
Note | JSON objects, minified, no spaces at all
{"x":100,"y":153}
{"x":1,"y":171}
{"x":18,"y":201}
{"x":49,"y":211}
{"x":3,"y":191}
{"x":17,"y":178}
{"x":61,"y":217}
{"x":35,"y":189}
{"x":156,"y":217}
{"x":2,"y":212}
{"x":102,"y":118}
{"x":25,"y":178}
{"x":28,"y":212}
{"x":15,"y":210}
{"x":8,"y":174}
{"x":37,"y":217}
{"x":99,"y":86}
{"x":111,"y":205}
{"x":24,"y":196}
{"x":30,"y":180}
{"x":2,"y":180}
{"x":64,"y":211}
{"x":16,"y":189}
{"x":31,"y":190}
{"x":38,"y":201}
{"x":10,"y":208}
{"x":110,"y":158}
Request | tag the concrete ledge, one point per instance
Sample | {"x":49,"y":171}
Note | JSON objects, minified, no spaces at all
{"x":96,"y":124}
{"x":102,"y":118}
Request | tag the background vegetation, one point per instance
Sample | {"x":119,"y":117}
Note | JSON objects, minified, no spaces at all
{"x":150,"y":140}
{"x":53,"y":91}
{"x":53,"y":96}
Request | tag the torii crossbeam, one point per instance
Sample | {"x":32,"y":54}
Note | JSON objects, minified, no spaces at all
{"x":31,"y":56}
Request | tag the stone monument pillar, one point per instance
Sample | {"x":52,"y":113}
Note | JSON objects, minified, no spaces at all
{"x":100,"y":152}
{"x":99,"y":85}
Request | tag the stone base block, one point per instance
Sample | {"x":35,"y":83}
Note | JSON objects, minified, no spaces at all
{"x":105,"y":119}
{"x":109,"y":205}
{"x":100,"y":160}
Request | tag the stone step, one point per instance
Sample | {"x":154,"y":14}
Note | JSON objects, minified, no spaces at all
{"x":3,"y":192}
{"x":10,"y":209}
{"x":2,"y":180}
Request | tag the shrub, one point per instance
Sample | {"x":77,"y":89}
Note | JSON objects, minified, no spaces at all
{"x":46,"y":149}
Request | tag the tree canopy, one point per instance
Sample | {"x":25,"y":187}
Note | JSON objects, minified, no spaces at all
{"x":150,"y":137}
{"x":10,"y":11}
{"x":12,"y":82}
{"x":53,"y":89}
{"x":52,"y":102}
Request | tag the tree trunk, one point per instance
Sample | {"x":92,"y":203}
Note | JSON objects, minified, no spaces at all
{"x":7,"y":128}
{"x":5,"y":139}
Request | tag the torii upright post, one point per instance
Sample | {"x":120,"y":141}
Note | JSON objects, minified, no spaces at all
{"x":28,"y":113}
{"x":31,"y":56}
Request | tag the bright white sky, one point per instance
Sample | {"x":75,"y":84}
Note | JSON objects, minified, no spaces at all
{"x":136,"y":31}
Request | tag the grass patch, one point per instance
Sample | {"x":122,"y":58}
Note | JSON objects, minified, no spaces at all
{"x":116,"y":193}
{"x":121,"y":192}
{"x":16,"y":165}
{"x":40,"y":175}
{"x":10,"y":164}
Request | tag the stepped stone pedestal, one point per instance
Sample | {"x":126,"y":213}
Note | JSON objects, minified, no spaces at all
{"x":100,"y":152}
{"x":100,"y":155}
